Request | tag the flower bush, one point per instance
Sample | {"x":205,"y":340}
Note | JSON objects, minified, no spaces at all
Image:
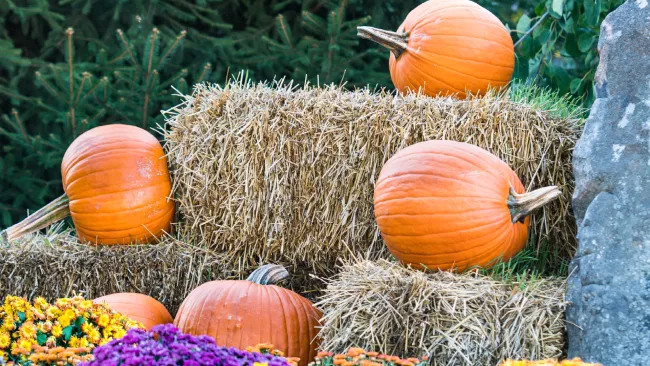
{"x":166,"y":345}
{"x":360,"y":357}
{"x":68,"y":327}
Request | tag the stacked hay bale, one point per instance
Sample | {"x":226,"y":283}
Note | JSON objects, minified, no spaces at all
{"x":285,"y":174}
{"x":454,"y":319}
{"x":55,"y":264}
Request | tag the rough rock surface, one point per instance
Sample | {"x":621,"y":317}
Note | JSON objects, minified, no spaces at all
{"x":609,"y":319}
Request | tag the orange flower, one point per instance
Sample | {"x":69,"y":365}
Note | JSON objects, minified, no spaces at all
{"x":413,"y":359}
{"x":339,"y":356}
{"x":372,"y":354}
{"x":348,"y":363}
{"x":322,"y":354}
{"x":340,"y":361}
{"x":355,"y":351}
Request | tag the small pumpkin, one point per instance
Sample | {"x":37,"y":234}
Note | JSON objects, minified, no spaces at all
{"x":243,"y":313}
{"x":116,"y":187}
{"x":452,"y":205}
{"x":449,"y":48}
{"x":140,"y":307}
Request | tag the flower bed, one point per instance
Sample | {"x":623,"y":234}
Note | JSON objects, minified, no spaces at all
{"x":41,"y":330}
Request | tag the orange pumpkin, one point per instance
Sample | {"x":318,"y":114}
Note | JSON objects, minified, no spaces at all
{"x":449,"y":48}
{"x":117,"y":186}
{"x":447,"y":204}
{"x":244,"y":313}
{"x":140,"y":307}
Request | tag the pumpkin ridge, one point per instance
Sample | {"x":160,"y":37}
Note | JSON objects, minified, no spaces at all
{"x":225,"y":304}
{"x":205,"y":295}
{"x":438,"y":213}
{"x":465,"y":261}
{"x":468,"y":60}
{"x":479,"y":257}
{"x":454,"y":71}
{"x":452,"y":156}
{"x":306,"y":312}
{"x":77,"y":199}
{"x":83,"y":155}
{"x":289,"y":328}
{"x":420,"y":77}
{"x":244,"y":310}
{"x":478,"y":238}
{"x":442,"y":178}
{"x":165,"y":213}
{"x":283,"y":307}
{"x":69,"y":184}
{"x":475,"y":198}
{"x":443,"y":233}
{"x":477,"y":20}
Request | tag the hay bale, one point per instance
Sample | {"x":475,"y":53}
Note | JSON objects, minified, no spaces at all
{"x":455,"y":319}
{"x":286,"y":175}
{"x":55,"y":265}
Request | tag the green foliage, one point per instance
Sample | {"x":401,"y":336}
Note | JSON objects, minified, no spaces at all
{"x":557,"y":44}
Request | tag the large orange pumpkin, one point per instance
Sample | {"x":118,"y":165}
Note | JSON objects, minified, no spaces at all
{"x":447,"y":204}
{"x":245,"y":313}
{"x":140,"y":307}
{"x":117,"y":187}
{"x":448,"y":47}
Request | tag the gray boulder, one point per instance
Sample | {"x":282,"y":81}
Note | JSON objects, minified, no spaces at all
{"x":609,"y":288}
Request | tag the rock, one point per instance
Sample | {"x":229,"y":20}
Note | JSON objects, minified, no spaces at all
{"x":609,"y":288}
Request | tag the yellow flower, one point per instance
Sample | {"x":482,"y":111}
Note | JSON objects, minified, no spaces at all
{"x":9,"y":323}
{"x":40,"y":303}
{"x":45,"y":327}
{"x":73,"y":342}
{"x":53,"y":312}
{"x":5,"y":339}
{"x":28,"y":330}
{"x":62,"y":303}
{"x":25,"y":344}
{"x":103,"y":341}
{"x":103,"y":320}
{"x":57,"y":330}
{"x":85,"y":305}
{"x":119,"y":333}
{"x":83,"y":342}
{"x":67,"y":317}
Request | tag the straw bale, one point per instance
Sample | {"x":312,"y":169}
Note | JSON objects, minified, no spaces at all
{"x":55,"y":264}
{"x":456,"y":319}
{"x":286,"y":174}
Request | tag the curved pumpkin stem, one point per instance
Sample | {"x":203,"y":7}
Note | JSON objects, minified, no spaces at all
{"x":396,"y":42}
{"x":51,"y":213}
{"x":522,"y":205}
{"x":268,"y":274}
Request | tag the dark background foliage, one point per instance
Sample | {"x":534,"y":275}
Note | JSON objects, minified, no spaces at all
{"x":70,"y":65}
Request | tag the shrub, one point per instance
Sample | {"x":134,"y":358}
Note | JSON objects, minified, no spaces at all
{"x":166,"y":345}
{"x":67,"y":323}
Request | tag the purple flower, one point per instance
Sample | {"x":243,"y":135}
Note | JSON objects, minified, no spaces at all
{"x":174,"y":348}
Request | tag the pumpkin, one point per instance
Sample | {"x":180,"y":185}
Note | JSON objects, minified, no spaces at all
{"x":449,"y":48}
{"x":116,"y":187}
{"x":140,"y":307}
{"x":244,"y":313}
{"x":452,"y":205}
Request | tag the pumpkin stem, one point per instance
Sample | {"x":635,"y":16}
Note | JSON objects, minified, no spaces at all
{"x":51,"y":213}
{"x":522,"y":205}
{"x":268,"y":274}
{"x":396,"y":42}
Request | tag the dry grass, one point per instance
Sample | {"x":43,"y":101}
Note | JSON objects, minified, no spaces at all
{"x":55,"y":265}
{"x":455,"y":319}
{"x":286,"y":174}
